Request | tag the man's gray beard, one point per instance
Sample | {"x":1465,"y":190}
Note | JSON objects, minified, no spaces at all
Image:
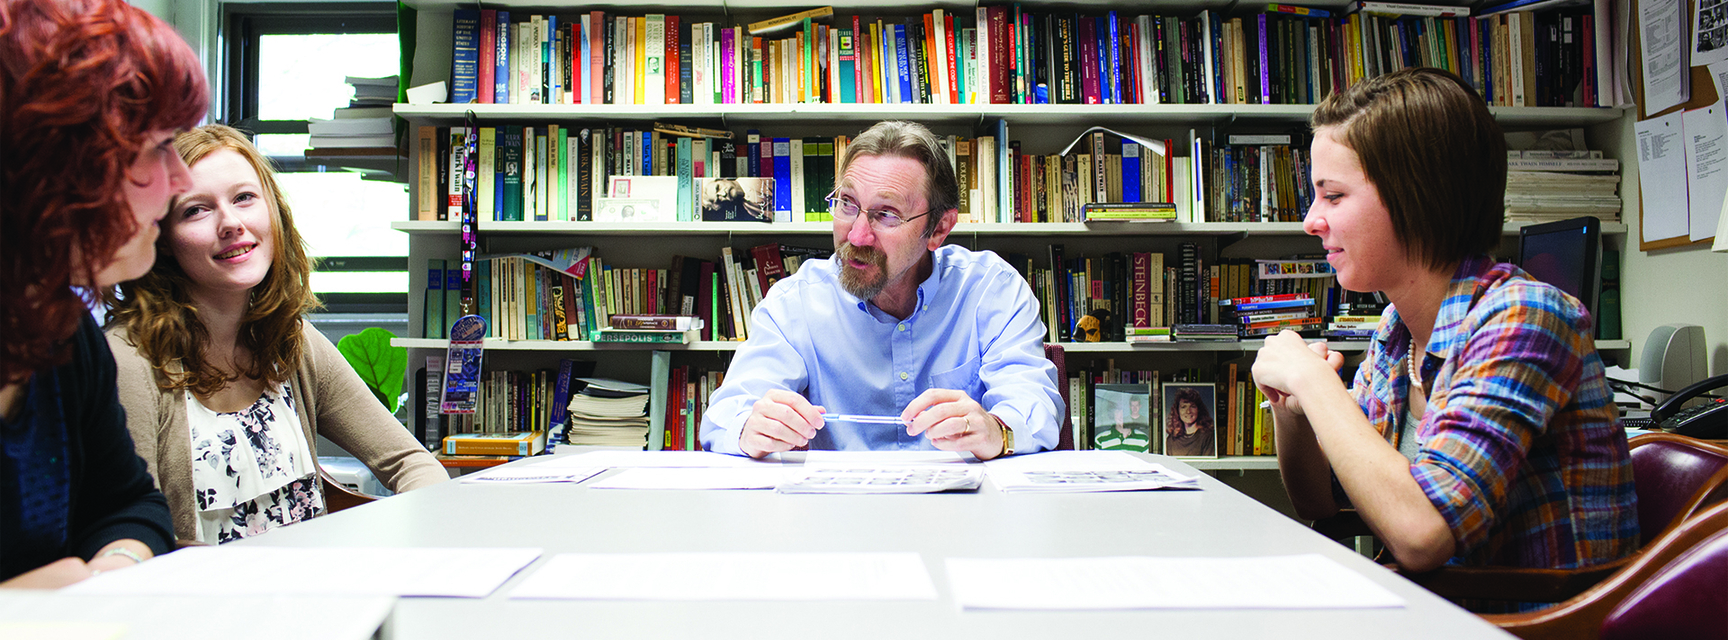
{"x":853,"y":280}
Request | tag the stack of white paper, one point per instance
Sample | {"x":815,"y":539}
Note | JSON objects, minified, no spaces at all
{"x":26,"y":615}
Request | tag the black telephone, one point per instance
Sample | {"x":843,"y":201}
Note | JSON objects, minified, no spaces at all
{"x":1708,"y":420}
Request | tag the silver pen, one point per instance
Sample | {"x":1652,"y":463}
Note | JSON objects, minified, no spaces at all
{"x":863,"y":419}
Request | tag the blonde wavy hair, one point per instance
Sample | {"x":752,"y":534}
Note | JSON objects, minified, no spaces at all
{"x":162,"y":322}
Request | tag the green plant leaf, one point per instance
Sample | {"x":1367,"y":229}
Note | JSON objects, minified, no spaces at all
{"x":380,"y":365}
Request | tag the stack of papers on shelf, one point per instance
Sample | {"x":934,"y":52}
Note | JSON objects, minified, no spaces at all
{"x":1083,"y":472}
{"x":608,"y":413}
{"x":365,"y":124}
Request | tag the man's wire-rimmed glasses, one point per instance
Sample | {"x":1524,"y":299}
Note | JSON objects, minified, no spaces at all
{"x":846,"y":210}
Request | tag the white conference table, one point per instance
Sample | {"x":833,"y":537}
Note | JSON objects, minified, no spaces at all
{"x":564,"y":518}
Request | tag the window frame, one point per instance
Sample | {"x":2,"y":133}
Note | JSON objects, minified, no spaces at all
{"x":245,"y":24}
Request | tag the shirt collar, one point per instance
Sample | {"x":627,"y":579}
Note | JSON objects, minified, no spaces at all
{"x":1447,"y":337}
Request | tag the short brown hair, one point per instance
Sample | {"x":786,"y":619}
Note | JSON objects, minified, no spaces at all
{"x":82,"y":83}
{"x":157,"y":311}
{"x":1433,"y":151}
{"x":915,"y":141}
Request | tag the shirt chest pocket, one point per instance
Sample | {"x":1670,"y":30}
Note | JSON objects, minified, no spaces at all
{"x":962,"y":378}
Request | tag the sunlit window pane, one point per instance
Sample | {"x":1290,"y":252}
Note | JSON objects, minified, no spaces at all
{"x":283,"y":144}
{"x":360,"y":281}
{"x":301,"y":76}
{"x":342,"y":215}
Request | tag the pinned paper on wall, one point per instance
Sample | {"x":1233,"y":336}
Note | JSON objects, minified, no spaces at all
{"x":1663,"y":47}
{"x":1706,"y":132}
{"x":1662,"y":178}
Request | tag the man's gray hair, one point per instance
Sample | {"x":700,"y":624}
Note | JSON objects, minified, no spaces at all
{"x":914,"y":141}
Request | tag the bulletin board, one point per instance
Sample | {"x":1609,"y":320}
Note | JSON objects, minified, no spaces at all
{"x":1703,"y":94}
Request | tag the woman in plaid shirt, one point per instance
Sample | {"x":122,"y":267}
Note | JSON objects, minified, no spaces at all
{"x":1479,"y":430}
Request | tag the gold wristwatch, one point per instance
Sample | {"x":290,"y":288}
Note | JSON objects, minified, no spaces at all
{"x":1007,"y":438}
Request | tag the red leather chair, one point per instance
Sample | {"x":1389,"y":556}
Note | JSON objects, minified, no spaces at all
{"x":1677,"y":477}
{"x":1675,"y":589}
{"x":1058,"y":357}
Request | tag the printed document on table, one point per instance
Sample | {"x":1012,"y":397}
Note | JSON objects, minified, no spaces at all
{"x":694,"y":478}
{"x":1083,"y":472}
{"x":527,"y":475}
{"x":873,"y":458}
{"x":326,"y":571}
{"x":44,"y":614}
{"x":1136,"y":582}
{"x":625,"y":458}
{"x":730,"y":576}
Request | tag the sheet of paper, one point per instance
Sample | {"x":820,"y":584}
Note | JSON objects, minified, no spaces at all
{"x":347,"y":571}
{"x":1662,"y":177}
{"x":1070,"y":461}
{"x":625,"y":458}
{"x":873,"y":458}
{"x":1662,"y":35}
{"x":1710,"y":33}
{"x":1706,"y":168}
{"x":1138,"y":582}
{"x":530,"y":475}
{"x":928,"y":478}
{"x":1721,"y":244}
{"x":692,"y":478}
{"x":731,"y":576}
{"x":61,"y":616}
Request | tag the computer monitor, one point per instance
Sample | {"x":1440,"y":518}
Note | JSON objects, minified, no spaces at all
{"x":1566,"y":254}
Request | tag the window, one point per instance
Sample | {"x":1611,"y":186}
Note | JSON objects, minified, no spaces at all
{"x":287,"y":63}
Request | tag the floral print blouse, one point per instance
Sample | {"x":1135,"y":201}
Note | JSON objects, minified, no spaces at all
{"x":252,"y":470}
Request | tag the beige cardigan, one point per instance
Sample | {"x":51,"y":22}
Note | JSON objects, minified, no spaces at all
{"x":328,"y":397}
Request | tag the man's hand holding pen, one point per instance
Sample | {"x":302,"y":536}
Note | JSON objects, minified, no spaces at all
{"x":953,"y":421}
{"x":779,"y":421}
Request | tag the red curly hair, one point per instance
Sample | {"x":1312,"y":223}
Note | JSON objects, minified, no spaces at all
{"x":82,"y":82}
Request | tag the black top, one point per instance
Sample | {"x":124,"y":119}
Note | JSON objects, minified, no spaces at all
{"x":107,"y":494}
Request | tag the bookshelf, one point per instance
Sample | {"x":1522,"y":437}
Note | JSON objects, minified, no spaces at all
{"x":1042,"y":128}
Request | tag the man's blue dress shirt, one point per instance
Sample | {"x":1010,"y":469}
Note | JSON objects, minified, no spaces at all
{"x":975,"y":329}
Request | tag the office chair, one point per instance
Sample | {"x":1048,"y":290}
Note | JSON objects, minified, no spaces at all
{"x":1057,"y":356}
{"x":1677,"y":588}
{"x":338,"y":497}
{"x":1676,"y":478}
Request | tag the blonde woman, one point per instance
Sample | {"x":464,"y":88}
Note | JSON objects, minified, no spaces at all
{"x":226,"y":385}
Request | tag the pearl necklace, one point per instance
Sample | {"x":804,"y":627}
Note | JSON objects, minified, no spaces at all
{"x":1415,"y":373}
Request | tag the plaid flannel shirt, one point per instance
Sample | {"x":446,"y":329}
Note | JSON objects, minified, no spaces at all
{"x":1521,"y":451}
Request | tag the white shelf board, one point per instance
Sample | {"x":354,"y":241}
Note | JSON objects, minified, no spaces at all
{"x":495,"y":344}
{"x":1016,"y":114}
{"x":824,"y":228}
{"x":1244,"y":463}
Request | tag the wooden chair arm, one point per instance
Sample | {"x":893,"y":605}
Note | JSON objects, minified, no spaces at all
{"x":338,"y":497}
{"x":1513,"y":583}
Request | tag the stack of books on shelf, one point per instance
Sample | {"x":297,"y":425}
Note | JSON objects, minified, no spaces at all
{"x":608,"y":413}
{"x":658,"y":329}
{"x":1351,"y":328}
{"x":1553,"y":175}
{"x":364,"y":127}
{"x":1009,"y":54}
{"x":1261,"y":316}
{"x":1197,"y":332}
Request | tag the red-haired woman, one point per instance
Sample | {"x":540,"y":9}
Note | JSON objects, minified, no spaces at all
{"x":226,"y":386}
{"x":91,"y":95}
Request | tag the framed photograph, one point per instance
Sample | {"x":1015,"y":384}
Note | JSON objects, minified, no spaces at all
{"x":1122,"y":418}
{"x":1190,"y":429}
{"x":735,"y":199}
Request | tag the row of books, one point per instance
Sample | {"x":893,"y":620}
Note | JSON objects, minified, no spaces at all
{"x":1009,"y":54}
{"x":572,"y":294}
{"x":1143,"y":290}
{"x":666,"y":174}
{"x":1139,"y":410}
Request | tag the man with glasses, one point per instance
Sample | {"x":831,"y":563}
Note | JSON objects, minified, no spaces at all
{"x":920,"y":345}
